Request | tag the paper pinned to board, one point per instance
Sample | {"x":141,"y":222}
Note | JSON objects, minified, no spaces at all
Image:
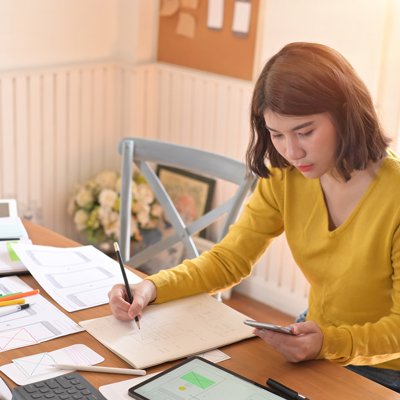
{"x":192,"y":4}
{"x":169,"y":7}
{"x":215,"y":16}
{"x":241,"y":17}
{"x":186,"y":25}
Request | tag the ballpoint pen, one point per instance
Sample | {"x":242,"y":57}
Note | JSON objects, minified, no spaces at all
{"x":12,"y":309}
{"x":128,"y":290}
{"x":290,"y":393}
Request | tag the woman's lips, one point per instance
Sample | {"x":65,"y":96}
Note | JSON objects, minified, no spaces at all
{"x":304,"y":168}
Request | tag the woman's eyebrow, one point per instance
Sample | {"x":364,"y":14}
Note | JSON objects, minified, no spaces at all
{"x":295,"y":128}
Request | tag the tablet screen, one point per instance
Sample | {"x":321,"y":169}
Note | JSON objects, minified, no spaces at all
{"x":199,"y":379}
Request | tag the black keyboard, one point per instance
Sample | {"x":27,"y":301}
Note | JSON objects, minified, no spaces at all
{"x":71,"y":386}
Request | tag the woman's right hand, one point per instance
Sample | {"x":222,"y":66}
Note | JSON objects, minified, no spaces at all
{"x":143,"y":293}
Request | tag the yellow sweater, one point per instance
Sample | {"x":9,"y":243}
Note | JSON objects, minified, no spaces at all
{"x":354,"y":270}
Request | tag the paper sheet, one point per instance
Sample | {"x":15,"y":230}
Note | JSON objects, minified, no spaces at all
{"x":215,"y":14}
{"x":241,"y":17}
{"x":191,"y":4}
{"x":119,"y":390}
{"x":168,"y":7}
{"x":171,"y":330}
{"x":186,"y":25}
{"x":75,"y":277}
{"x":37,"y":367}
{"x":38,"y":323}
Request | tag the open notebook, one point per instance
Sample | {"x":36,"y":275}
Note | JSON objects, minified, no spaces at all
{"x":170,"y":331}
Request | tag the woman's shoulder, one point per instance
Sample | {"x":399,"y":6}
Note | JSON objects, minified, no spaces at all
{"x":391,"y":165}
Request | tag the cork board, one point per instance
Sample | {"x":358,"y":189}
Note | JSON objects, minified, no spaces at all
{"x":220,"y":51}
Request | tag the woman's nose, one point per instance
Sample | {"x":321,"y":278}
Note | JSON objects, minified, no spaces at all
{"x":294,"y":150}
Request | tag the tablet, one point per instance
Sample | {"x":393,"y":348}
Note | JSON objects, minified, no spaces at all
{"x":197,"y":378}
{"x":8,"y":208}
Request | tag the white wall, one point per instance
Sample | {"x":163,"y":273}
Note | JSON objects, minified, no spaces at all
{"x":366,"y":32}
{"x":36,"y":33}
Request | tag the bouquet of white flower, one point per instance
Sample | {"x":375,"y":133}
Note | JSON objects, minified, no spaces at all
{"x":95,"y":208}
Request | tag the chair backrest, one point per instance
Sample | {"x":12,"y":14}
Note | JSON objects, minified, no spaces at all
{"x":145,"y":153}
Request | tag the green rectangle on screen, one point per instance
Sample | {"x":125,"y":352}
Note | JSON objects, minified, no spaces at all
{"x":198,"y":380}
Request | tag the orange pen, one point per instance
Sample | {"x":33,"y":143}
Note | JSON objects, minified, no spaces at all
{"x":19,"y":295}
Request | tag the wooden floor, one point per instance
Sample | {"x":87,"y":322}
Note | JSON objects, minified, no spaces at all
{"x":258,"y":310}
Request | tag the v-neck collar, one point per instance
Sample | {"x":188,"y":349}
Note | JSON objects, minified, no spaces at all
{"x":355,"y":210}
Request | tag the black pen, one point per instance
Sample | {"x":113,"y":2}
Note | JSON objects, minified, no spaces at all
{"x":7,"y":310}
{"x":292,"y":394}
{"x":128,"y":290}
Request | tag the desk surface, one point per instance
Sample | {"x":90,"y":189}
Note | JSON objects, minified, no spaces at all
{"x":252,"y":358}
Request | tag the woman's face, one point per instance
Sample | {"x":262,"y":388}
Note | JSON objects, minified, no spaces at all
{"x":306,"y":142}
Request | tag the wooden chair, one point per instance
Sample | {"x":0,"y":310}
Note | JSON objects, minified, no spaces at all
{"x":145,"y":153}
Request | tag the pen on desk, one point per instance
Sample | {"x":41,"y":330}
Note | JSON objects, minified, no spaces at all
{"x":11,"y":302}
{"x":13,"y":309}
{"x":99,"y":368}
{"x":128,"y":290}
{"x":13,"y":296}
{"x":292,"y":394}
{"x":8,"y":239}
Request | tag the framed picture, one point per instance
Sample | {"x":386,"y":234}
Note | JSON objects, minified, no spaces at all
{"x":191,"y":193}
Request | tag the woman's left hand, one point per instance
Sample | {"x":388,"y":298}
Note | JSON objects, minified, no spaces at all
{"x":305,"y":344}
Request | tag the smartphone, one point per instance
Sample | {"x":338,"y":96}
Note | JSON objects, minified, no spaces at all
{"x":271,"y":327}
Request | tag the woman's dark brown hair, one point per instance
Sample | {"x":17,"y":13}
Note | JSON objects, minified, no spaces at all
{"x":310,"y":78}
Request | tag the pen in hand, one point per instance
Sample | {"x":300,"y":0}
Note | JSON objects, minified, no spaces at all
{"x":128,"y":290}
{"x":290,"y":393}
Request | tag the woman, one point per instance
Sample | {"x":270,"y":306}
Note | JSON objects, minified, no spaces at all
{"x":333,"y":187}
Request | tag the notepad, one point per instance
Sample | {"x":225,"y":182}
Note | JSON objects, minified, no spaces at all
{"x":12,"y":228}
{"x":170,"y":331}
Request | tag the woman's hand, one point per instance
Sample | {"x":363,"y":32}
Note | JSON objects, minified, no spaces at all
{"x":143,"y":293}
{"x":305,"y":344}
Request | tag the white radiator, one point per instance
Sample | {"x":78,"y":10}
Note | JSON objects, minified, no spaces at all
{"x":57,"y":128}
{"x":61,"y":126}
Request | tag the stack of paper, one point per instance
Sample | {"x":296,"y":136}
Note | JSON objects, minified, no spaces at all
{"x":40,"y":322}
{"x":75,"y":277}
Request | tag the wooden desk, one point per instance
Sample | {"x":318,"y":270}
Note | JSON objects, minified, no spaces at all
{"x":319,"y":380}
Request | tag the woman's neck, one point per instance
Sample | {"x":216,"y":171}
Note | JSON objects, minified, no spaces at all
{"x":341,"y":197}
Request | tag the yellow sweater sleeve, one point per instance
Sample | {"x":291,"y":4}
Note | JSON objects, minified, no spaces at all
{"x":233,"y":258}
{"x":353,"y":271}
{"x":370,"y":343}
